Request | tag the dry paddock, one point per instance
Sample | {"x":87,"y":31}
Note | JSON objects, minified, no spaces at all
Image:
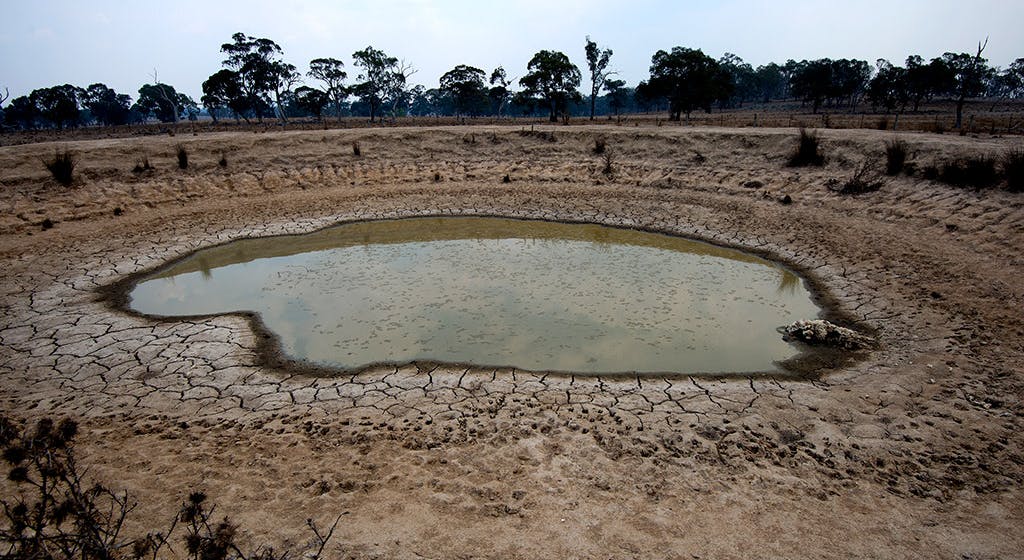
{"x":913,"y":451}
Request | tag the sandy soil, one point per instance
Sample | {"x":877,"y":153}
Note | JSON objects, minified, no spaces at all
{"x":914,"y":451}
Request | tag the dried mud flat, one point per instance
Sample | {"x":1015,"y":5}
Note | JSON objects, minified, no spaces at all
{"x":914,"y":451}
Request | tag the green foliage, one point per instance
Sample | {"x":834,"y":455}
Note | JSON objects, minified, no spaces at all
{"x":807,"y":150}
{"x":62,"y":166}
{"x":106,"y":105}
{"x":895,"y":156}
{"x":553,"y":80}
{"x":381,"y":78}
{"x":259,"y":71}
{"x":223,"y":90}
{"x":59,"y":105}
{"x":597,"y":62}
{"x":331,"y":72}
{"x":162,"y":102}
{"x":465,"y":85}
{"x":839,"y":82}
{"x":311,"y":100}
{"x":688,"y":79}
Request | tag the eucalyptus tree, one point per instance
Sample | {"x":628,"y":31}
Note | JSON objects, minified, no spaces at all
{"x":553,"y":80}
{"x":688,"y":79}
{"x":259,"y":69}
{"x":597,"y":62}
{"x":465,"y":85}
{"x":499,"y":93}
{"x":331,"y":72}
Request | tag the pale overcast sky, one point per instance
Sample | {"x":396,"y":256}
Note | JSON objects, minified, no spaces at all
{"x":119,"y":43}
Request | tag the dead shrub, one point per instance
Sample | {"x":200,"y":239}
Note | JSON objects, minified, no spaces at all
{"x":609,"y":162}
{"x":865,"y":179}
{"x":55,"y":513}
{"x":62,"y":166}
{"x":895,"y":156}
{"x":807,"y":150}
{"x":142,"y":165}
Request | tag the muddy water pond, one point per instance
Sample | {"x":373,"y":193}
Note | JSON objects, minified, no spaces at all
{"x":533,"y":295}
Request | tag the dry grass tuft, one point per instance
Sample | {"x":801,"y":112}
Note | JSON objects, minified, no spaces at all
{"x":62,"y":166}
{"x":807,"y":150}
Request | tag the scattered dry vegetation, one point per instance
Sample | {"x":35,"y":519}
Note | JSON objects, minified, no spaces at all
{"x":62,"y":166}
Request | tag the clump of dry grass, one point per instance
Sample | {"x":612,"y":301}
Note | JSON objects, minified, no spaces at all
{"x":1013,"y":170}
{"x":356,"y":151}
{"x":600,"y":145}
{"x":223,"y":161}
{"x":62,"y":166}
{"x":182,"y":156}
{"x":807,"y":150}
{"x":895,"y":156}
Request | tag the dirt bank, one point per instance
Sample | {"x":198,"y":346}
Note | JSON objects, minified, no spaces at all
{"x":915,"y":451}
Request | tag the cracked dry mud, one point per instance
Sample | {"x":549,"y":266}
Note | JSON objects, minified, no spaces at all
{"x":913,"y":451}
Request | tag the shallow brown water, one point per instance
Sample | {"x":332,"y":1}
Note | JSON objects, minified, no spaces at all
{"x":496,"y":292}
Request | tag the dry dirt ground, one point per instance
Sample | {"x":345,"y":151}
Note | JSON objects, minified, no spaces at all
{"x":915,"y":451}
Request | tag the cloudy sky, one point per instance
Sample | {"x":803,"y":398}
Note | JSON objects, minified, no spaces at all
{"x":120,"y":43}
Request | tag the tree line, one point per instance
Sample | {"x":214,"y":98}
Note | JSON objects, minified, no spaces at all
{"x":257,"y":83}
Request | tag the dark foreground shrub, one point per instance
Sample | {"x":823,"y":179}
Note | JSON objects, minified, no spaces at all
{"x":56,"y":514}
{"x":599,"y":145}
{"x":355,"y":149}
{"x":865,"y":179}
{"x":1013,"y":170}
{"x":895,"y":156}
{"x":223,"y":161}
{"x":807,"y":150}
{"x":182,"y":156}
{"x":977,"y":172}
{"x":62,"y":166}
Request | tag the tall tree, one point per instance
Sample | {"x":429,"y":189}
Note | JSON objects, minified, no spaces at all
{"x":465,"y":85}
{"x":618,"y":95}
{"x":688,"y":79}
{"x":283,"y":77}
{"x":160,"y":101}
{"x":499,"y":92}
{"x":597,"y":61}
{"x":554,"y":80}
{"x":888,"y":88}
{"x":1008,"y":84}
{"x":222,"y":91}
{"x":311,"y":100}
{"x":106,"y":105}
{"x":22,"y":113}
{"x":257,"y":62}
{"x":331,"y":72}
{"x":59,"y":104}
{"x":812,"y":81}
{"x":377,"y":79}
{"x":969,"y":74}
